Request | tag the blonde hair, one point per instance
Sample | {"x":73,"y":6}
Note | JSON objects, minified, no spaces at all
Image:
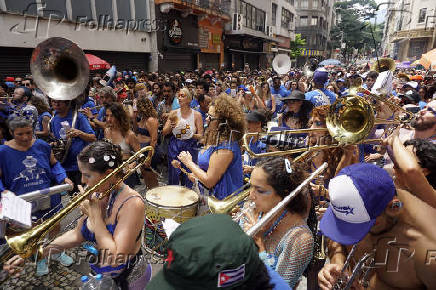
{"x":186,"y":92}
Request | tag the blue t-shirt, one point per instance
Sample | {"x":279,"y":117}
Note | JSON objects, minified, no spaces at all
{"x":277,"y":280}
{"x":82,"y":124}
{"x":26,"y":171}
{"x":90,"y":104}
{"x":102,"y":118}
{"x":318,"y":99}
{"x":232,"y":178}
{"x":39,"y":126}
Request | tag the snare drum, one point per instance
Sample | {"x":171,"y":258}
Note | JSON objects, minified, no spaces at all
{"x":172,"y":202}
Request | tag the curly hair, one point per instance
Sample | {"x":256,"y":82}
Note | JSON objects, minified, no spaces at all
{"x":145,"y":108}
{"x":98,"y":152}
{"x":230,"y":119}
{"x":284,"y":182}
{"x":333,"y":155}
{"x":121,"y":116}
{"x":40,"y":106}
{"x":425,"y":151}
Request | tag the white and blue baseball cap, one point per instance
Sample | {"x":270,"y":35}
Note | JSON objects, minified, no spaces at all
{"x":358,"y":195}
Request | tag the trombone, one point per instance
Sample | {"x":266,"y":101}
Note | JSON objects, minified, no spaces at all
{"x":30,"y":241}
{"x":350,"y":120}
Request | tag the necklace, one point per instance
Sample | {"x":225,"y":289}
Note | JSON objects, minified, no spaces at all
{"x":111,"y":202}
{"x":275,"y":224}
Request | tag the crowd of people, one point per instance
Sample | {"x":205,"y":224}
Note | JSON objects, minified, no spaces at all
{"x":196,"y":121}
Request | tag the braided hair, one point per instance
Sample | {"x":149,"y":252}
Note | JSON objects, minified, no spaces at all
{"x":101,"y":156}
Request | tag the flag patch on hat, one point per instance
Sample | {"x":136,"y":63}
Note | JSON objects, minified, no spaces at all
{"x":229,"y":277}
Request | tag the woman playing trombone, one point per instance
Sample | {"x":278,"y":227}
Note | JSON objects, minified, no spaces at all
{"x":286,"y":243}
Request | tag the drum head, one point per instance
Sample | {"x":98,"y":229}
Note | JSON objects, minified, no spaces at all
{"x":172,"y":196}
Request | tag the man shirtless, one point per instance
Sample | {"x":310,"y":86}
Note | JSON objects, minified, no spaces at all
{"x":400,"y":229}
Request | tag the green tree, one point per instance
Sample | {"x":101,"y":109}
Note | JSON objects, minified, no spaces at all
{"x":354,"y":30}
{"x":297,"y":46}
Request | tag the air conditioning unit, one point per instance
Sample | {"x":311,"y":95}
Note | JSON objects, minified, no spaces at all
{"x":271,"y":31}
{"x":238,"y":20}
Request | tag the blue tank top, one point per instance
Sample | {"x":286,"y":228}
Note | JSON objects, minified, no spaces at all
{"x":143,"y":131}
{"x":90,"y":236}
{"x":232,"y":178}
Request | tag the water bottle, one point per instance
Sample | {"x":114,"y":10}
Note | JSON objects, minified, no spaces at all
{"x":88,"y":283}
{"x":64,"y":130}
{"x":105,"y":282}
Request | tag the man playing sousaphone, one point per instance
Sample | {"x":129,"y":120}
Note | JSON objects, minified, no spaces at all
{"x":396,"y":227}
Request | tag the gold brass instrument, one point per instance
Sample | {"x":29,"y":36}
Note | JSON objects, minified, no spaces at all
{"x":361,"y":270}
{"x":28,"y":243}
{"x":59,"y":68}
{"x":383,"y":64}
{"x":230,"y":202}
{"x":349,"y":121}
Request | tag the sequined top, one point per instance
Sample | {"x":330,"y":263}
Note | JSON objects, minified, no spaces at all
{"x":291,"y":255}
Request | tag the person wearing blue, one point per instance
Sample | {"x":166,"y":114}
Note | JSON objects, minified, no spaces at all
{"x":320,"y":95}
{"x":342,"y":86}
{"x":295,"y":112}
{"x":255,"y":122}
{"x":113,"y":224}
{"x":28,"y":164}
{"x":77,"y":136}
{"x":20,"y":105}
{"x":107,"y":96}
{"x":186,"y":127}
{"x":203,"y":106}
{"x":42,"y":130}
{"x":219,"y":168}
{"x":279,"y":92}
{"x":213,"y":252}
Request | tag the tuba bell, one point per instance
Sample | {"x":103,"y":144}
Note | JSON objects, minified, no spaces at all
{"x":59,"y":68}
{"x":281,"y":64}
{"x":383,"y":64}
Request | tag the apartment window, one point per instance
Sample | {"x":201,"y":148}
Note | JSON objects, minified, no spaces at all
{"x":274,"y":14}
{"x":314,"y":20}
{"x":304,"y":3}
{"x":292,"y":2}
{"x":260,"y":20}
{"x":287,"y":18}
{"x":254,"y":18}
{"x":303,"y":21}
{"x":422,"y":13}
{"x":315,"y":4}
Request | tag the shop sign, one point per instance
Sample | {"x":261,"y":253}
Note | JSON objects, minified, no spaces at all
{"x":203,"y":38}
{"x":216,"y":38}
{"x":175,"y":31}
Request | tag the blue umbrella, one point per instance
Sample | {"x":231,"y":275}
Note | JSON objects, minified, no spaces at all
{"x":330,"y":62}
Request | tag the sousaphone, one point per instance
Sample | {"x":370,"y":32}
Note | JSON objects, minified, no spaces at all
{"x":281,"y":64}
{"x":60,"y":68}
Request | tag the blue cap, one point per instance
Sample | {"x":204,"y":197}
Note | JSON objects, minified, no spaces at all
{"x":84,"y":279}
{"x":341,"y":80}
{"x":320,"y":76}
{"x":358,"y":195}
{"x":99,"y":277}
{"x":243,"y":87}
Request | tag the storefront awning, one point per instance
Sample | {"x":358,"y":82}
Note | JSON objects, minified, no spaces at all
{"x":247,"y":51}
{"x":284,"y":49}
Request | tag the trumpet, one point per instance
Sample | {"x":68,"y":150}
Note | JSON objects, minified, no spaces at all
{"x":29,"y":242}
{"x":361,"y":269}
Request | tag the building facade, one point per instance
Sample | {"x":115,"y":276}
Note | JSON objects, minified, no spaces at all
{"x":193,"y":37}
{"x":410,"y":29}
{"x":282,"y":24}
{"x":314,"y":24}
{"x":118,"y":31}
{"x":246,"y":36}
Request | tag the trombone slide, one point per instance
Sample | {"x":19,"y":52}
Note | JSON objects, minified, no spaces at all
{"x":33,"y":195}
